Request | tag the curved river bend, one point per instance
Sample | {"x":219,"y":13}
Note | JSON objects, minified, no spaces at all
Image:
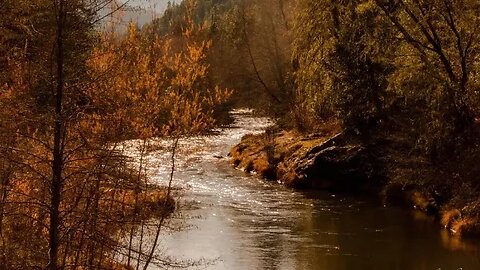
{"x":243,"y":222}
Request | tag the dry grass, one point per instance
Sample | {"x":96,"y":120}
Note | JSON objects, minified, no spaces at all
{"x":449,"y":217}
{"x":149,"y":203}
{"x":468,"y":226}
{"x":286,"y":147}
{"x":112,"y":265}
{"x":252,"y":155}
{"x":419,"y":200}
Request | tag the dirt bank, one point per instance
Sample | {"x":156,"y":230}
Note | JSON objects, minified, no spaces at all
{"x":339,"y":162}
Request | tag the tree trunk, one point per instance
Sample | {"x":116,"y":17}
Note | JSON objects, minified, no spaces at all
{"x":57,"y":164}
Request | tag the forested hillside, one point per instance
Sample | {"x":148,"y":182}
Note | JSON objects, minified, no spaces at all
{"x":70,"y":96}
{"x":397,"y":79}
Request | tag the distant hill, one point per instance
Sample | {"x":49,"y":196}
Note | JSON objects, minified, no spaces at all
{"x":140,"y":11}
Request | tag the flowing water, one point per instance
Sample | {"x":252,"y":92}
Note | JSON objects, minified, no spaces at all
{"x":237,"y":221}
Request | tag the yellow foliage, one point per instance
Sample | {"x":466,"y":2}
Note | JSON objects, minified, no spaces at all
{"x":155,"y":87}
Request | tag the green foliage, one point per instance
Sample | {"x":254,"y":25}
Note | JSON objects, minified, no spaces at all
{"x":250,"y":47}
{"x":356,"y":57}
{"x":341,"y":69}
{"x":436,"y":63}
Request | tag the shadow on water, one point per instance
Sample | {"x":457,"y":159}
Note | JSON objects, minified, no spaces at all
{"x":251,"y":224}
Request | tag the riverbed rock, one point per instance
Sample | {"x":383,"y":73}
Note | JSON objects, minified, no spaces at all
{"x":386,"y":164}
{"x":333,"y":168}
{"x":320,"y":162}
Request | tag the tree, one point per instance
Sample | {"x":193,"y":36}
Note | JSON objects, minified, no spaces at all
{"x":341,"y":71}
{"x":444,"y":38}
{"x":68,"y":191}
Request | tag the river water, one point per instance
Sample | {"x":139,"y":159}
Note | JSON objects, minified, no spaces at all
{"x":238,"y":221}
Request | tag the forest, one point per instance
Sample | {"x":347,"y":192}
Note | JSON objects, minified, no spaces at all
{"x":383,"y":94}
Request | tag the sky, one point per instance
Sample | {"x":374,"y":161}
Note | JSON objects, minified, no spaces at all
{"x":158,"y":5}
{"x":148,"y":9}
{"x":140,"y":11}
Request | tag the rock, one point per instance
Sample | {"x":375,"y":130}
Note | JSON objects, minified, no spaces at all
{"x":320,"y":163}
{"x":331,"y":167}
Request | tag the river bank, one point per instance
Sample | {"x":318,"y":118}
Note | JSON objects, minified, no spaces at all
{"x":232,"y":220}
{"x":338,"y":161}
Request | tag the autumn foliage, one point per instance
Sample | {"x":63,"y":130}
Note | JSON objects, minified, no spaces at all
{"x":67,"y":109}
{"x":167,"y":75}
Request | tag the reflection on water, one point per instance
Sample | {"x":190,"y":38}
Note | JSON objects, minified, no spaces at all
{"x":247,"y":223}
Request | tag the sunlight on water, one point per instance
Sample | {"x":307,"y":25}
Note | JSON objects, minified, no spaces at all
{"x":242,"y":222}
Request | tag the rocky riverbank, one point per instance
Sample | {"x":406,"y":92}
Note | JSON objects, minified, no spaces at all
{"x":314,"y":161}
{"x":339,"y":162}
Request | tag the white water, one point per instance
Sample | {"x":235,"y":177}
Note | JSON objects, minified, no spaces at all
{"x":237,"y":221}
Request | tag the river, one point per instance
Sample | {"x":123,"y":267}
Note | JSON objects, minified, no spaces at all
{"x":238,"y":221}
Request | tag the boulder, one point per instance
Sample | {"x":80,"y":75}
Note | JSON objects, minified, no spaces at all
{"x":331,"y":167}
